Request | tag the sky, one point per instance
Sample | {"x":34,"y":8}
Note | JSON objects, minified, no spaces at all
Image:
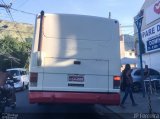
{"x":122,"y":10}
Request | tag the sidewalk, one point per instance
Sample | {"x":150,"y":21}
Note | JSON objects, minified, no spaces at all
{"x":141,"y":108}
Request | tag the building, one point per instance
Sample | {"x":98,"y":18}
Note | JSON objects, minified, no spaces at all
{"x":127,"y":50}
{"x":127,"y":46}
{"x":150,"y":34}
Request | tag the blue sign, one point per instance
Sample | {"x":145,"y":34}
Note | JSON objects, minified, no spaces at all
{"x":153,"y":43}
{"x":151,"y":38}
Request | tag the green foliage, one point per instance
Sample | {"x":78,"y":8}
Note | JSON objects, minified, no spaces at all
{"x":13,"y":53}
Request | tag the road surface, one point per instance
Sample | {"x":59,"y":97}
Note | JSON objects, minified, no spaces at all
{"x":24,"y":110}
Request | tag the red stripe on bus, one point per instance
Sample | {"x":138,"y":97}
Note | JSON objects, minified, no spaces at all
{"x":73,"y":97}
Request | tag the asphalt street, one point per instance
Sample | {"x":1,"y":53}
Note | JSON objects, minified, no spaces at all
{"x":25,"y":110}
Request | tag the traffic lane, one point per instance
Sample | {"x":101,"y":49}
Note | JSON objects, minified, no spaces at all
{"x":23,"y":106}
{"x":65,"y":111}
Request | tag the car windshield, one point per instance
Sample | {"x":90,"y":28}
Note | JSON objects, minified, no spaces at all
{"x":14,"y":72}
{"x":152,"y":72}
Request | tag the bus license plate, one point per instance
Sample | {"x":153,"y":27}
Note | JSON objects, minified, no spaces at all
{"x":76,"y":78}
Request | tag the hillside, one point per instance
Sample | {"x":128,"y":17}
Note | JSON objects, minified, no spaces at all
{"x":20,"y":31}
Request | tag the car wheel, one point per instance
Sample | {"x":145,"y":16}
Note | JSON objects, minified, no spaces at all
{"x":136,"y":87}
{"x":27,"y":86}
{"x":2,"y":109}
{"x":23,"y":87}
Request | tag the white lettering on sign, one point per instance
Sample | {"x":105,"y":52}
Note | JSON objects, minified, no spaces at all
{"x":154,"y":41}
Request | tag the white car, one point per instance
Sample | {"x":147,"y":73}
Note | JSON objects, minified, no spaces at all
{"x":21,"y":77}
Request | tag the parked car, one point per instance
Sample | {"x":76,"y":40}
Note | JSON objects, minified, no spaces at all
{"x":21,"y":77}
{"x":136,"y":76}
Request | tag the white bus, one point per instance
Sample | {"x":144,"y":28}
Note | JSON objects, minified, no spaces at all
{"x":75,"y":59}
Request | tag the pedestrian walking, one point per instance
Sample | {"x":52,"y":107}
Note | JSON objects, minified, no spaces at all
{"x":127,"y":83}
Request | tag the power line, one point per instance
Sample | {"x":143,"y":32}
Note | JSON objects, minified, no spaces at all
{"x":3,"y":2}
{"x":9,"y":7}
{"x":9,"y":13}
{"x":23,"y":3}
{"x":4,"y":5}
{"x":11,"y":2}
{"x":23,"y":11}
{"x":15,"y":24}
{"x":126,"y":26}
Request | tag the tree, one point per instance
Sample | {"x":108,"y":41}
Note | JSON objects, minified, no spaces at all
{"x":13,"y":53}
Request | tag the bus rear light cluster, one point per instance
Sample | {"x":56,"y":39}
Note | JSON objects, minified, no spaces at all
{"x":116,"y":82}
{"x":33,"y":79}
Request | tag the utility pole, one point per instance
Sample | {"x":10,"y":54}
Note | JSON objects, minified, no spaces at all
{"x":138,"y":22}
{"x":109,"y":15}
{"x":5,"y":6}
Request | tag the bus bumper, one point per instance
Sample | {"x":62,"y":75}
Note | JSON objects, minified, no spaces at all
{"x":74,"y":97}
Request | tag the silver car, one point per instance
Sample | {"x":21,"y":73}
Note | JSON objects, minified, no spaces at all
{"x":136,"y":75}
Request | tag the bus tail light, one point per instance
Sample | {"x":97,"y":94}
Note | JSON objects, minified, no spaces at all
{"x":33,"y":79}
{"x":116,"y":82}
